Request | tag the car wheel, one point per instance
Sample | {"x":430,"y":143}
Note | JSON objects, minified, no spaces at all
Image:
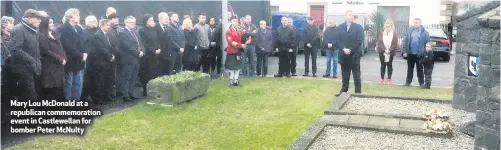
{"x":447,"y":58}
{"x":323,"y":53}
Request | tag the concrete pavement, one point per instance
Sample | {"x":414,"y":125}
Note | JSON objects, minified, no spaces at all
{"x":443,"y":73}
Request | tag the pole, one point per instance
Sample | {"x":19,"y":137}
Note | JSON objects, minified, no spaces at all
{"x":224,"y":21}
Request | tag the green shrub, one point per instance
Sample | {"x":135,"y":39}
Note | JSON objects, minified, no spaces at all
{"x":181,"y":76}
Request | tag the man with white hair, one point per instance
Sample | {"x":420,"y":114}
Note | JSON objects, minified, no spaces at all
{"x":109,"y":11}
{"x":128,"y":60}
{"x":91,"y":28}
{"x":73,"y":41}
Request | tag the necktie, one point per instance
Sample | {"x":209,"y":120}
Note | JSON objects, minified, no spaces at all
{"x":347,"y":28}
{"x":75,"y":28}
{"x":108,"y":39}
{"x":135,"y":38}
{"x":163,"y":28}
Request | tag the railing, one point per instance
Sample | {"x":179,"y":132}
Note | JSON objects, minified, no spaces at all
{"x":371,"y":33}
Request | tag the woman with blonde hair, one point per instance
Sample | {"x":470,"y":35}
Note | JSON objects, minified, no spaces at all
{"x":387,"y":46}
{"x":191,"y":56}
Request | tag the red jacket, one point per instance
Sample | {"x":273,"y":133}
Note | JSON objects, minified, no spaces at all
{"x":233,"y":35}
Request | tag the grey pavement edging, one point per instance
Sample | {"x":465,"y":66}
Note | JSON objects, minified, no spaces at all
{"x":304,"y":141}
{"x":311,"y":134}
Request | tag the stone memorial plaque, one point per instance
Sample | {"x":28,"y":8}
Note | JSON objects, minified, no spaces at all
{"x":473,"y":64}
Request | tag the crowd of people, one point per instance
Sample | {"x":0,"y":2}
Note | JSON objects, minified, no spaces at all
{"x":103,"y":61}
{"x":100,"y":59}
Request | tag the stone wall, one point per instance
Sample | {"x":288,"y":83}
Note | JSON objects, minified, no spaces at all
{"x":478,"y":34}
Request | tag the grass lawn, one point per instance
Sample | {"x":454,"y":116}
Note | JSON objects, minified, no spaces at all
{"x":267,"y":113}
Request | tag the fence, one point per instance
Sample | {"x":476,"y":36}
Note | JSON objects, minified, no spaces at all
{"x":371,"y":31}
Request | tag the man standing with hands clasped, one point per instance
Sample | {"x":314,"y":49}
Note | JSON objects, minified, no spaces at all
{"x":284,"y":41}
{"x":312,"y":37}
{"x":350,"y":40}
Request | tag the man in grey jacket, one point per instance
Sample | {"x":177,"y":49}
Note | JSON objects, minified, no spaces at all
{"x":203,"y":42}
{"x":414,"y":44}
{"x":26,"y":55}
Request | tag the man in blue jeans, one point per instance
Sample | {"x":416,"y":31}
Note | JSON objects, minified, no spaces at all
{"x":73,"y":41}
{"x":331,"y":49}
{"x":249,"y":63}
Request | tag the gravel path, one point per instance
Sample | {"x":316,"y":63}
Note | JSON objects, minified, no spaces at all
{"x":334,"y":138}
{"x":338,"y":138}
{"x":405,"y":107}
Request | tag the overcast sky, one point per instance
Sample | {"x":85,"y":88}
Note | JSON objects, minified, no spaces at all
{"x":427,"y":10}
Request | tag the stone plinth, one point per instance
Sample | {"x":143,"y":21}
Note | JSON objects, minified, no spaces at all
{"x":478,"y":35}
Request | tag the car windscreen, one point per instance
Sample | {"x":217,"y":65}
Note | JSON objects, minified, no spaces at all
{"x":436,"y":33}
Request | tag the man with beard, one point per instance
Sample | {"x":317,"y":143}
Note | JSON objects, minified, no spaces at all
{"x":285,"y":44}
{"x":311,"y":36}
{"x":176,"y":43}
{"x":163,"y":39}
{"x":350,"y":41}
{"x":203,"y":42}
{"x":249,"y":60}
{"x":112,"y":34}
{"x":26,"y":55}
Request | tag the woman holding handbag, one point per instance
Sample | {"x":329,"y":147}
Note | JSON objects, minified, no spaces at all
{"x":386,"y":47}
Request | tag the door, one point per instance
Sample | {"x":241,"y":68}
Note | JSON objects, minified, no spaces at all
{"x":317,"y":12}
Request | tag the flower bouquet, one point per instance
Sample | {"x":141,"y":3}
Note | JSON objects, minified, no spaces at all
{"x":436,"y":122}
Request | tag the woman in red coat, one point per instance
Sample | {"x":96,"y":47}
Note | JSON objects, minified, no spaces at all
{"x":233,"y":59}
{"x":53,"y":61}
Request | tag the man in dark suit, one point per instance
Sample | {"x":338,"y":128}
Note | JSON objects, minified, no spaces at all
{"x":73,"y":41}
{"x":113,"y":33}
{"x":101,"y":61}
{"x":163,"y":39}
{"x":285,"y":45}
{"x":176,"y":43}
{"x":350,"y":40}
{"x":311,"y":37}
{"x":128,"y":61}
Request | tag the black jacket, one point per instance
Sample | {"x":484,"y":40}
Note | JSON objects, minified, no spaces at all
{"x":176,"y":37}
{"x":249,"y":28}
{"x":426,"y":58}
{"x":101,"y":53}
{"x":149,"y":38}
{"x":25,"y":49}
{"x":191,"y":55}
{"x":330,"y":36}
{"x":130,"y":46}
{"x":163,"y":40}
{"x":285,"y":38}
{"x":215,"y":34}
{"x":74,"y":44}
{"x":351,"y":39}
{"x":311,"y":35}
{"x":113,"y":35}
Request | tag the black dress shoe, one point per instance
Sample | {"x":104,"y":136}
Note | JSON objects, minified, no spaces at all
{"x":133,"y":97}
{"x":294,"y":74}
{"x":406,"y":84}
{"x":339,"y":94}
{"x":326,"y":75}
{"x":278,"y":76}
{"x":334,"y":76}
{"x":288,"y":76}
{"x":314,"y":75}
{"x":127,"y":99}
{"x":305,"y":75}
{"x":425,"y":87}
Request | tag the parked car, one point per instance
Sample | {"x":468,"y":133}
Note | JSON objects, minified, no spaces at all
{"x":441,"y":44}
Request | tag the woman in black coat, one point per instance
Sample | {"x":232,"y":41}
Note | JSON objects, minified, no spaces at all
{"x":53,"y":61}
{"x":191,"y":55}
{"x":150,"y":68}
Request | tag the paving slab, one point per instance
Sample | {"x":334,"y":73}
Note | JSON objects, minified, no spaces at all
{"x":409,"y":123}
{"x":337,"y":118}
{"x":358,"y":119}
{"x":383,"y":121}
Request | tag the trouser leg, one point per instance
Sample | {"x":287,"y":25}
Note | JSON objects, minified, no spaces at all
{"x":389,"y":65}
{"x":314,"y":53}
{"x":307,"y":54}
{"x":410,"y":68}
{"x":346,"y":72}
{"x":383,"y":65}
{"x":355,"y":69}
